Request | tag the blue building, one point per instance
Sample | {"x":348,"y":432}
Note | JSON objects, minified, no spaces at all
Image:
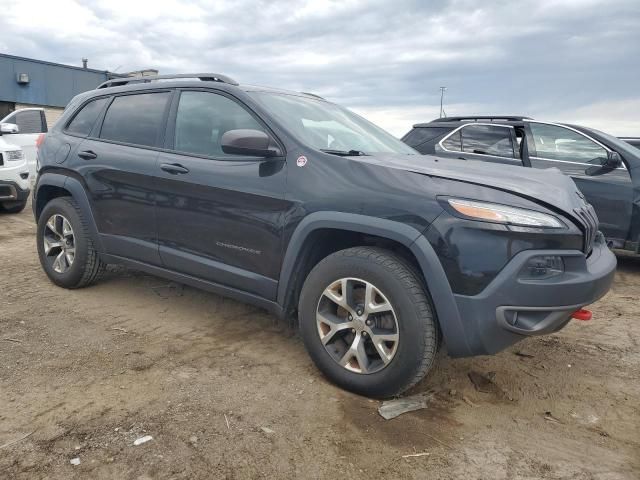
{"x":25,"y":82}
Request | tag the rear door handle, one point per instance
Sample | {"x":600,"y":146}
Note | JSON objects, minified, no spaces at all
{"x":87,"y":155}
{"x":174,"y":168}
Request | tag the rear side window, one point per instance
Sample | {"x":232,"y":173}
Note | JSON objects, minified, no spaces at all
{"x":29,"y":121}
{"x":135,"y":119}
{"x":84,"y":120}
{"x":487,"y":140}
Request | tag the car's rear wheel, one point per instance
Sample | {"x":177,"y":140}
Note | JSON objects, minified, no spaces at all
{"x":65,"y":247}
{"x":13,"y":207}
{"x":367,"y":321}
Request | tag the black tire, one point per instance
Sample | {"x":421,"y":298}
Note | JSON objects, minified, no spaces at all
{"x":416,"y":324}
{"x":13,"y":207}
{"x":86,"y":266}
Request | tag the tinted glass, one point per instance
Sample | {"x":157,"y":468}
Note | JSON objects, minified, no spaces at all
{"x":487,"y":140}
{"x":84,"y":120}
{"x":135,"y":119}
{"x":29,"y":121}
{"x":559,"y":143}
{"x":423,"y":134}
{"x":453,"y":143}
{"x":203,"y":118}
{"x":327,"y":126}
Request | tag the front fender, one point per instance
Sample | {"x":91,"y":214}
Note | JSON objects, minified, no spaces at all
{"x":428,"y":262}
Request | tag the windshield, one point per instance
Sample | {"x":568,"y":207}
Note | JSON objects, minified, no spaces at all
{"x":326,"y":126}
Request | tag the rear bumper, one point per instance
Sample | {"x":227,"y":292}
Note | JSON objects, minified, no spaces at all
{"x":512,"y":308}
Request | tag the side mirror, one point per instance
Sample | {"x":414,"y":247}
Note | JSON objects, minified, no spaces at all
{"x":7,"y":128}
{"x":614,"y":160}
{"x":254,"y":143}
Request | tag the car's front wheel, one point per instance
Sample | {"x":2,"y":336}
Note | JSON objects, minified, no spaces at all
{"x":65,"y":247}
{"x":367,"y":321}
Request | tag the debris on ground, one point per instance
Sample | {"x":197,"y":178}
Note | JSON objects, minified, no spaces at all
{"x":75,"y":461}
{"x":523,"y":354}
{"x":141,"y":440}
{"x":14,"y":340}
{"x":483,"y":383}
{"x":468,"y":401}
{"x":550,"y":418}
{"x":393,"y":408}
{"x":423,"y":454}
{"x":267,"y":430}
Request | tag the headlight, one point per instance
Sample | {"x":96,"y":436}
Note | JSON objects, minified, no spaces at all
{"x":15,"y":155}
{"x":493,"y":212}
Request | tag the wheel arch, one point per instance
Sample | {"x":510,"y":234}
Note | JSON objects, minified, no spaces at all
{"x":54,"y":185}
{"x":304,"y":251}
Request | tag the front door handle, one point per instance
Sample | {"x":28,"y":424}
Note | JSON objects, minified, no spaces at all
{"x":87,"y":155}
{"x":174,"y":168}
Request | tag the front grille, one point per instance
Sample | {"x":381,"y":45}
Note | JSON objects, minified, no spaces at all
{"x":589,"y":225}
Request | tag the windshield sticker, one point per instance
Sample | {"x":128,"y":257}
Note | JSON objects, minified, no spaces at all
{"x":302,"y":161}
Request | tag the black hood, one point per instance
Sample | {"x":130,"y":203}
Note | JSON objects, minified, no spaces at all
{"x":549,"y":187}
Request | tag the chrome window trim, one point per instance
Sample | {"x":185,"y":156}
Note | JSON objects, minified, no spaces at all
{"x":519,"y":160}
{"x":623,"y":167}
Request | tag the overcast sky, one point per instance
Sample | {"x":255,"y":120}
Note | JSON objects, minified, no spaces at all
{"x":572,"y":60}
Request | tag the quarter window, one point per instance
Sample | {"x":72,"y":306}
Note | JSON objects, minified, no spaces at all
{"x":135,"y":119}
{"x":559,"y":143}
{"x":202,"y":118}
{"x":84,"y":120}
{"x":454,"y":142}
{"x":487,"y":140}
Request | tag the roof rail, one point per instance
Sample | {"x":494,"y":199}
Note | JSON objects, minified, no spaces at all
{"x":492,"y":118}
{"x":313,"y":95}
{"x":204,"y":77}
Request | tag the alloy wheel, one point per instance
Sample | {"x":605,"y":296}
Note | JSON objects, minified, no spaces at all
{"x":357,"y":325}
{"x":59,"y":243}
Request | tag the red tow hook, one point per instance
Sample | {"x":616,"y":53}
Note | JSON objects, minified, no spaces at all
{"x":582,"y":314}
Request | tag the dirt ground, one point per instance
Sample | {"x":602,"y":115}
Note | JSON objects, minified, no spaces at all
{"x":226,"y":392}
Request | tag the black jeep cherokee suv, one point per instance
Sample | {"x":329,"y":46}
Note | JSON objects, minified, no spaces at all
{"x":297,"y":205}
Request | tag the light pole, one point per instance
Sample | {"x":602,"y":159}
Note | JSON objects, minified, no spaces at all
{"x":442,"y":90}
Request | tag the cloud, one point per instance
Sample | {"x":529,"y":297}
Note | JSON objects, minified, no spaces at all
{"x":549,"y":59}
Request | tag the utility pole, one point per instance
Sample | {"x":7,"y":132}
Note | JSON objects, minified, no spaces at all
{"x":442,"y":90}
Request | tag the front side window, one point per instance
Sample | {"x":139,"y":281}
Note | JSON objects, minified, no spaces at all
{"x":28,"y":121}
{"x":203,"y":117}
{"x":135,"y":119}
{"x":326,"y":126}
{"x":84,"y":120}
{"x":559,"y":143}
{"x":487,"y":140}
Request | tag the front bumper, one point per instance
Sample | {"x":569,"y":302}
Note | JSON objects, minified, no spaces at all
{"x":12,"y":192}
{"x":511,"y":308}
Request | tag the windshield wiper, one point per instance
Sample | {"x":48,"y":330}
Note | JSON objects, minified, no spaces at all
{"x":343,"y":153}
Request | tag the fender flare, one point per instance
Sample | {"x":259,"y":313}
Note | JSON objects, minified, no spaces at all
{"x":79,"y":194}
{"x":437,"y":282}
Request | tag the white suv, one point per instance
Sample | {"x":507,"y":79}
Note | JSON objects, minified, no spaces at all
{"x":14,"y":173}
